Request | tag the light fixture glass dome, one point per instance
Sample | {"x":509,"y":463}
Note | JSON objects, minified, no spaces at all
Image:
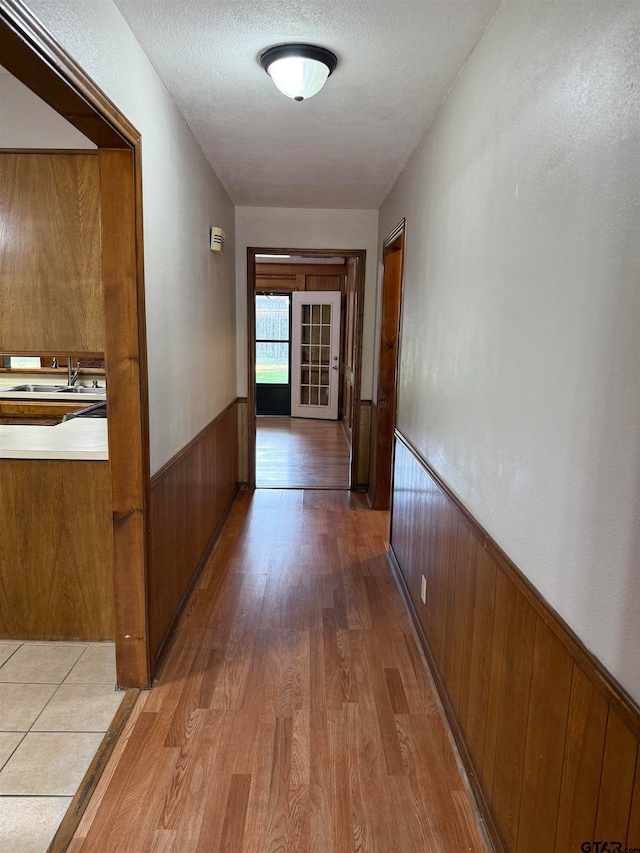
{"x":299,"y":70}
{"x":298,"y":78}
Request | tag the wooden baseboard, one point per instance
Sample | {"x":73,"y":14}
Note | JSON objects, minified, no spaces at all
{"x":548,"y":737}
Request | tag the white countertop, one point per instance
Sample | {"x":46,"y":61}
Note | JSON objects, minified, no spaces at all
{"x":80,"y":438}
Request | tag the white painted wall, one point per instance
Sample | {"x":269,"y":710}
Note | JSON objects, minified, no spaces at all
{"x":27,"y":122}
{"x":190,"y":293}
{"x":303,"y":228}
{"x":520,"y":351}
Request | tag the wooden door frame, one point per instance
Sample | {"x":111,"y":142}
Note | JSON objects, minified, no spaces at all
{"x":360,"y":256}
{"x":30,"y":53}
{"x":381,"y":468}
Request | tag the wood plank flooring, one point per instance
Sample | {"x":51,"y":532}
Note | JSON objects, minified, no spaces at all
{"x":301,"y":453}
{"x":293,"y":713}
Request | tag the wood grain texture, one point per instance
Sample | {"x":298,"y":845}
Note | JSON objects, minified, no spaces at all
{"x":31,"y":54}
{"x":546,"y":727}
{"x":382,"y":440}
{"x":633,"y":832}
{"x":189,"y":498}
{"x":301,"y":453}
{"x":319,"y":269}
{"x":365,"y":444}
{"x":550,"y":742}
{"x":331,"y":741}
{"x":51,"y":288}
{"x":582,"y":768}
{"x":616,"y":783}
{"x":56,"y":578}
{"x":127,"y":406}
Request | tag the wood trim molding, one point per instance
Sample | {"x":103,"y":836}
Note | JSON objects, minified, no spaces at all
{"x":74,"y":152}
{"x":58,"y":79}
{"x":612,"y":691}
{"x":397,"y":231}
{"x":251,"y":366}
{"x":384,"y":421}
{"x":127,"y":408}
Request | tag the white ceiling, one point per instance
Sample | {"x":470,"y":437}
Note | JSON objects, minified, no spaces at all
{"x":342,"y":148}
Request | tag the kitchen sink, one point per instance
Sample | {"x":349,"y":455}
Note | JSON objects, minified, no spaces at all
{"x":57,"y":389}
{"x":38,"y":389}
{"x":80,"y":389}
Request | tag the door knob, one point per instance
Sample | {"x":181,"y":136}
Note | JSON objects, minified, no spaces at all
{"x":335,"y":367}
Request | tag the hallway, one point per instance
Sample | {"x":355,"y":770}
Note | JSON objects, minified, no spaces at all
{"x":293,"y":712}
{"x":301,"y":453}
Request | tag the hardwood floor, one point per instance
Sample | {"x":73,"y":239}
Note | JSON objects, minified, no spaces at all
{"x":293,"y":712}
{"x":301,"y":453}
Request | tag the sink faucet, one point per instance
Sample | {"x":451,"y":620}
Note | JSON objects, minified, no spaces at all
{"x":71,"y":375}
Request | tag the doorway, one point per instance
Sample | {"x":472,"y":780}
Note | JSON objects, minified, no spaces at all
{"x":305,"y":340}
{"x":383,"y":422}
{"x":28,"y":52}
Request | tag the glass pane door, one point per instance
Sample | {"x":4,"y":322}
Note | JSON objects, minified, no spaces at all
{"x":315,"y":354}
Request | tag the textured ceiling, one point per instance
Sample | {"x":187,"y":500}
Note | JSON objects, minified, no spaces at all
{"x":342,"y":148}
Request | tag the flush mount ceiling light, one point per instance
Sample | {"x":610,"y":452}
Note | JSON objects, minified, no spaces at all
{"x":299,"y":70}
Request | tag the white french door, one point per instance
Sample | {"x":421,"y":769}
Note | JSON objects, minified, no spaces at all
{"x":315,"y":354}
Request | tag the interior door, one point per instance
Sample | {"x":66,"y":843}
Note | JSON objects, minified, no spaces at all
{"x":315,"y":354}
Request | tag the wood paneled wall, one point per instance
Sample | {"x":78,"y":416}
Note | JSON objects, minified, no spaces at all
{"x":300,"y":276}
{"x":365,"y":444}
{"x":549,"y":738}
{"x":56,"y":556}
{"x":51,"y":286}
{"x":190,"y":497}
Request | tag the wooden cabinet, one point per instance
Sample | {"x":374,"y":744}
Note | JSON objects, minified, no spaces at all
{"x":57,"y":554}
{"x":270,"y":277}
{"x":51,"y":284}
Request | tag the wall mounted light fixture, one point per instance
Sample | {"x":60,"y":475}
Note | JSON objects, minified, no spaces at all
{"x":299,"y":70}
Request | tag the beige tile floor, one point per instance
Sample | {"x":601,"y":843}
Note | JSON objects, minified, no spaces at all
{"x":56,"y":702}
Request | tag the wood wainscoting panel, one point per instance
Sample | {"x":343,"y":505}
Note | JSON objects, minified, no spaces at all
{"x":544,"y":750}
{"x":618,"y":772}
{"x":365,"y":444}
{"x":56,"y":558}
{"x":548,"y":737}
{"x":190,"y":497}
{"x":51,"y":285}
{"x":243,"y":441}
